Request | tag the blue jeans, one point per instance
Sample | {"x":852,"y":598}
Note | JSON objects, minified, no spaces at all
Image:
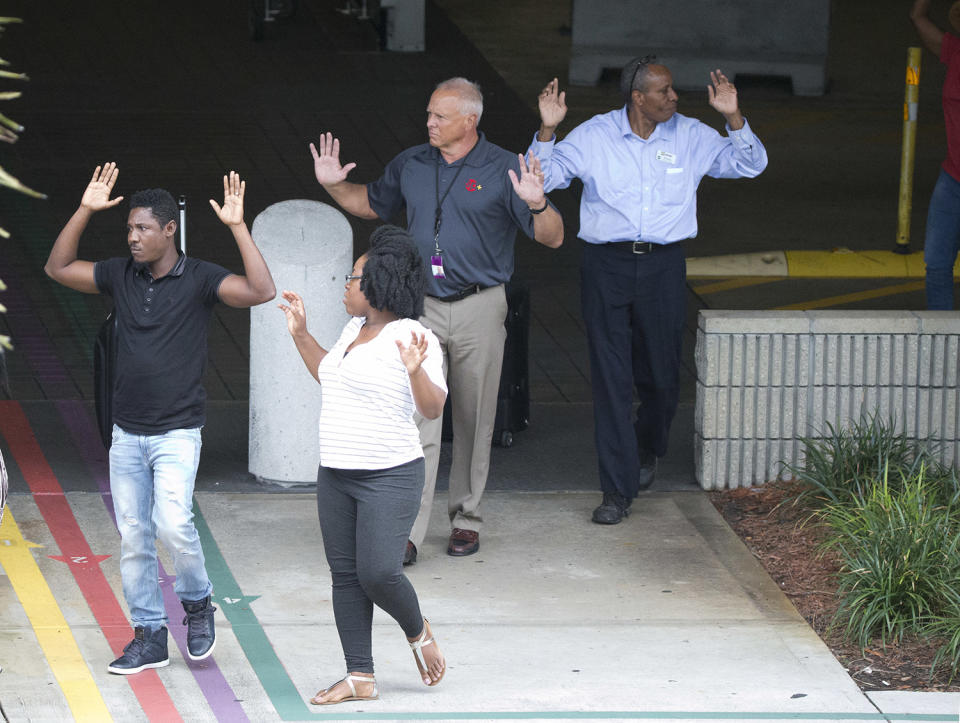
{"x":151,"y":481}
{"x":940,"y":246}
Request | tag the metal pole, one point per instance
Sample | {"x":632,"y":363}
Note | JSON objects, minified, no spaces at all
{"x":910,"y":98}
{"x":182,"y":203}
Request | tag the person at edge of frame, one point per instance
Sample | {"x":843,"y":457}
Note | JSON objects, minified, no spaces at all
{"x":464,"y":216}
{"x":641,"y":165}
{"x":942,"y":239}
{"x":163,"y":301}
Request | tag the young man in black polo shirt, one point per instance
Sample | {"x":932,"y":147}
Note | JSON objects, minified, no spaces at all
{"x":163,"y":301}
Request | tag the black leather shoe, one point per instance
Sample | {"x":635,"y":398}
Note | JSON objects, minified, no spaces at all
{"x":146,"y":650}
{"x":613,"y":509}
{"x":201,"y":635}
{"x":648,"y":469}
{"x":410,"y":554}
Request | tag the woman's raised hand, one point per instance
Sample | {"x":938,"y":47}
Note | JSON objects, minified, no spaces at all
{"x":414,"y":354}
{"x":295,"y":313}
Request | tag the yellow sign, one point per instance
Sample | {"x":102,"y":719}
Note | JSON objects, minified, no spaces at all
{"x":913,"y":75}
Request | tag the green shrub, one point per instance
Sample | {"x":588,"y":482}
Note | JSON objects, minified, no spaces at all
{"x":893,"y":515}
{"x":843,"y":465}
{"x":900,"y":562}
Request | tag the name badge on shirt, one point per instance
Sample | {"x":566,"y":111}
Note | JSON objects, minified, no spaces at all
{"x":666,"y":157}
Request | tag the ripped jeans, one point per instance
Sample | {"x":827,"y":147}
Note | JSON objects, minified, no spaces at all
{"x":151,"y":480}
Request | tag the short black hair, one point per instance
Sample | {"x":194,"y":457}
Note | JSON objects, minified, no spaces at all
{"x":159,"y":201}
{"x":394,"y":278}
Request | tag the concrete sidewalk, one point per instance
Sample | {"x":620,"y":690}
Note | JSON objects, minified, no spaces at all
{"x":666,"y":616}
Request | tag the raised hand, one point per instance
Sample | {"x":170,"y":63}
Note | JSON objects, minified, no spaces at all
{"x":413,"y":355}
{"x":326,"y":162}
{"x":552,"y":104}
{"x":96,"y":197}
{"x":231,"y":213}
{"x":529,"y":187}
{"x":722,"y":94}
{"x":295,"y":313}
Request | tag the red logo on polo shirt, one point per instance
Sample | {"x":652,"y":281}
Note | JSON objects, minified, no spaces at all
{"x":472,"y":185}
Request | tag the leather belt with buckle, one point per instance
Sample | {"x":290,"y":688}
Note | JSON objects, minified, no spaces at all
{"x":462,"y":294}
{"x":637,"y":247}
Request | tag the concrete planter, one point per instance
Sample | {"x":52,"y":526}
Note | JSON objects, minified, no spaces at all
{"x":767,"y":378}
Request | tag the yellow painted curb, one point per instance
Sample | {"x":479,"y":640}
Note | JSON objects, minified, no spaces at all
{"x":836,"y":263}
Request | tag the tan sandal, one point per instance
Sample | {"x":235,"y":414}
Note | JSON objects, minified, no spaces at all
{"x":349,"y":680}
{"x":426,"y":638}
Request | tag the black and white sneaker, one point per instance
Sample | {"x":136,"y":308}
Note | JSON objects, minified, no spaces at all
{"x":201,"y":636}
{"x":148,"y":649}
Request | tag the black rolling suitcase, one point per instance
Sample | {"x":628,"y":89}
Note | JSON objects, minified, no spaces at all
{"x":105,"y":354}
{"x":513,"y":399}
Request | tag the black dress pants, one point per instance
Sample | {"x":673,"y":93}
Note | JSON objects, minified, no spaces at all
{"x":634,"y":310}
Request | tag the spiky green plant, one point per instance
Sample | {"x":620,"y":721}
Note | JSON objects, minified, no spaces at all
{"x":10,"y":131}
{"x":899,"y":546}
{"x":843,"y":464}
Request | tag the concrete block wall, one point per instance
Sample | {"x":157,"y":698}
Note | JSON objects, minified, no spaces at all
{"x":765,"y":379}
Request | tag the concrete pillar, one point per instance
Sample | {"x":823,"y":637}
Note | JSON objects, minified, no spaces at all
{"x":308,"y":246}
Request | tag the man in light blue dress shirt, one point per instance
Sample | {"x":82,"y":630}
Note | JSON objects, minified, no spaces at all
{"x":640,"y":166}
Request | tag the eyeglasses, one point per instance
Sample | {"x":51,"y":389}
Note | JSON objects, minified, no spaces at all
{"x":644,"y":61}
{"x":350,"y":277}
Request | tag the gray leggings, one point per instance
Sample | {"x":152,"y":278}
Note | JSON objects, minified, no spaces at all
{"x":365,"y":518}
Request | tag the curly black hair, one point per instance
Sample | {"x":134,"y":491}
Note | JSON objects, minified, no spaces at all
{"x":159,"y":201}
{"x":393,"y":277}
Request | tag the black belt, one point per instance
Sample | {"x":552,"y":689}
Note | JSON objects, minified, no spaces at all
{"x":462,"y":294}
{"x":638,"y":247}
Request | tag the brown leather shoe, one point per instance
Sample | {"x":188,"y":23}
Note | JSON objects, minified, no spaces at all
{"x":463,"y":542}
{"x":410,"y":554}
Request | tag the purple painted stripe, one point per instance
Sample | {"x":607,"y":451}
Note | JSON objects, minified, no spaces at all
{"x":221,"y":698}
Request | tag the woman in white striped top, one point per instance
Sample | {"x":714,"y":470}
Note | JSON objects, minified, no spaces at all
{"x":384,"y":366}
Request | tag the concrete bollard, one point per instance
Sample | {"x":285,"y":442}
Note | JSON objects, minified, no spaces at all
{"x":308,"y":246}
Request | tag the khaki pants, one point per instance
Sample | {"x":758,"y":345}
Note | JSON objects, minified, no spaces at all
{"x":471,"y":335}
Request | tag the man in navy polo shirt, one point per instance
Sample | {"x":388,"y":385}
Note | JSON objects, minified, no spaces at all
{"x":162,"y":301}
{"x":464,"y":216}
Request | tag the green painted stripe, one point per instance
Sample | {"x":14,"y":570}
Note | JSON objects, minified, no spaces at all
{"x":246,"y":627}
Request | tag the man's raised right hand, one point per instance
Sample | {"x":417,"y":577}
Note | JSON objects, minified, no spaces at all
{"x":326,"y":162}
{"x":96,"y":197}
